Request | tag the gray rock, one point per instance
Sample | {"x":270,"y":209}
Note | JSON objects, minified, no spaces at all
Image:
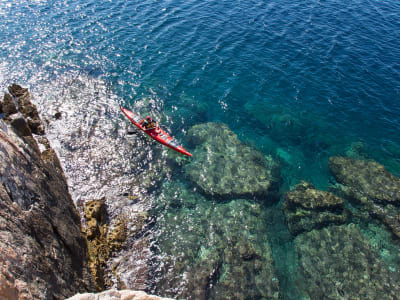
{"x":223,"y":167}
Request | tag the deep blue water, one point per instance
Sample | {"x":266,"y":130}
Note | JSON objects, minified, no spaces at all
{"x":299,"y":80}
{"x":330,"y":68}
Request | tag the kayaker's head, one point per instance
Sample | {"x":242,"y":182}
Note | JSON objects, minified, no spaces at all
{"x":148,"y":118}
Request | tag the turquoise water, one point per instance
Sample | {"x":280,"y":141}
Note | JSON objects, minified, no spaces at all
{"x":298,"y":80}
{"x":305,"y":77}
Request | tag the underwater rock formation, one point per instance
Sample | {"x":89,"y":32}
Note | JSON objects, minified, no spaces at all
{"x":338,"y":262}
{"x":223,"y":167}
{"x":212,"y":251}
{"x":117,"y":295}
{"x":43,"y":254}
{"x":371,"y":186}
{"x":307,"y":208}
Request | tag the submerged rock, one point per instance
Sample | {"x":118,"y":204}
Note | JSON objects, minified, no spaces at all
{"x":212,"y":251}
{"x":370,"y":186}
{"x":43,"y":254}
{"x":307,"y":208}
{"x":223,"y":167}
{"x":338,"y":262}
{"x":366,"y":179}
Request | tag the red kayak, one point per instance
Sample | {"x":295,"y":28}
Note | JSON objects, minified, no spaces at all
{"x":159,"y":135}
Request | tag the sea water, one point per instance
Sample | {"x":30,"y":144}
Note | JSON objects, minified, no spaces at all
{"x":298,"y":80}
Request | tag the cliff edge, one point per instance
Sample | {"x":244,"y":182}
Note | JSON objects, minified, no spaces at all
{"x":43,"y":254}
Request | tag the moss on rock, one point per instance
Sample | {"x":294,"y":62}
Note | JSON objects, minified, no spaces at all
{"x":338,"y":262}
{"x":307,"y":208}
{"x":371,"y":186}
{"x":102,"y":241}
{"x":223,"y":167}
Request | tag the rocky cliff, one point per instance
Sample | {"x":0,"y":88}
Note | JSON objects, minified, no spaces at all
{"x":43,"y":254}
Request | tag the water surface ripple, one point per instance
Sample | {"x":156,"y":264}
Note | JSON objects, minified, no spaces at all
{"x":298,"y":80}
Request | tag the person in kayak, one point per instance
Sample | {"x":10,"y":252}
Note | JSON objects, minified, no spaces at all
{"x":149,"y":124}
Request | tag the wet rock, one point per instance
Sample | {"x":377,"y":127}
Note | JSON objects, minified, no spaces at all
{"x":43,"y":253}
{"x":307,"y":208}
{"x":103,"y":240}
{"x":17,"y":91}
{"x":27,"y":108}
{"x":117,"y":295}
{"x":19,"y":125}
{"x":8,"y":106}
{"x":223,"y":167}
{"x":369,"y":185}
{"x":57,"y":115}
{"x":338,"y":262}
{"x":212,"y":251}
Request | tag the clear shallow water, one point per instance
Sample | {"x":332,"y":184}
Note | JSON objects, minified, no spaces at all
{"x":300,"y":81}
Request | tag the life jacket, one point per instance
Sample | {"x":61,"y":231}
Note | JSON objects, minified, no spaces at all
{"x":149,"y":125}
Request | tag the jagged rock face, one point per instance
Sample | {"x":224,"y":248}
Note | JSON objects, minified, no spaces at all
{"x":42,"y":252}
{"x":370,"y":185}
{"x":223,"y":167}
{"x":338,"y":262}
{"x":307,"y":208}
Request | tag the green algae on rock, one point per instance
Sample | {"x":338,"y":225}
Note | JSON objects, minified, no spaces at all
{"x":102,"y":241}
{"x":338,"y":262}
{"x":307,"y":208}
{"x":366,"y":179}
{"x":212,"y":250}
{"x":223,"y":167}
{"x":371,"y":186}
